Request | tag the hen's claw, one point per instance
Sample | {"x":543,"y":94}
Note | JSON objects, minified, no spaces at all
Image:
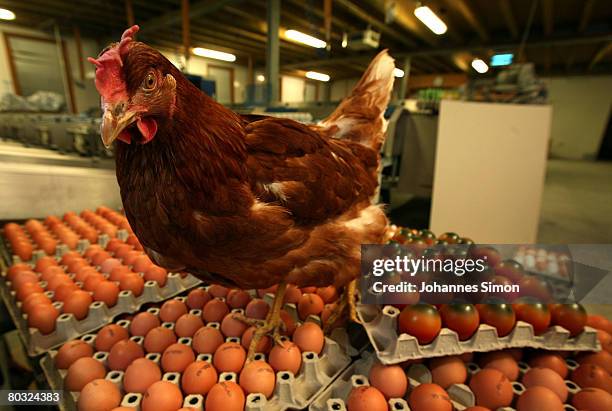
{"x":273,"y":322}
{"x":348,"y":299}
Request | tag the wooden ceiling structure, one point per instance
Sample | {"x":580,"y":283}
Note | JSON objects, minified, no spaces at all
{"x":561,"y":36}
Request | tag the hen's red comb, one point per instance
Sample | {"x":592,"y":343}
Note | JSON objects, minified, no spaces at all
{"x":109,"y":79}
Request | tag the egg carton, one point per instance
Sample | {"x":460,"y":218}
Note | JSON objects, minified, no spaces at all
{"x":392,"y":348}
{"x":291,"y":391}
{"x":67,"y":327}
{"x":334,"y":397}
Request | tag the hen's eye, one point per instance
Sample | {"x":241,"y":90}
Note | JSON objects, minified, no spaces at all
{"x":149,"y":81}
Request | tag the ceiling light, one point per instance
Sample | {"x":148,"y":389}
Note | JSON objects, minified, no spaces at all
{"x":397,"y":72}
{"x":317,"y":76}
{"x":305,"y":39}
{"x":430,"y":19}
{"x":480,"y":66}
{"x":6,"y":14}
{"x":214,"y":54}
{"x":261,"y":78}
{"x":503,"y":59}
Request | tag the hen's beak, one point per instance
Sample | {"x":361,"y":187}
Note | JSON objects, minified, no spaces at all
{"x":115,"y":119}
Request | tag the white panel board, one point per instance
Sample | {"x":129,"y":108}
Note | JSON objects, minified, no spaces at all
{"x":489,"y":172}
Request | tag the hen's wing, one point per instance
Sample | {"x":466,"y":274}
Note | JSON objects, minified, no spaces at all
{"x":312,"y":175}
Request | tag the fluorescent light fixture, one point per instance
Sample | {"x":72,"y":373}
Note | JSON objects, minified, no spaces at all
{"x":430,"y":19}
{"x":305,"y":39}
{"x":213,"y":54}
{"x":480,"y":66}
{"x":260,"y":78}
{"x":397,"y":72}
{"x":504,"y":59}
{"x":6,"y":14}
{"x":317,"y":76}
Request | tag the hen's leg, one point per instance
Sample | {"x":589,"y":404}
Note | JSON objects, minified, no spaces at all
{"x":272,"y":323}
{"x":348,"y":299}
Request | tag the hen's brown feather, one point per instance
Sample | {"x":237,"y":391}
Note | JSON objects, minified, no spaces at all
{"x":249,"y":201}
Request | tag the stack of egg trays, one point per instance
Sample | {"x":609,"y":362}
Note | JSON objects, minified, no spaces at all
{"x":291,"y":391}
{"x":381,"y":326}
{"x":334,"y":397}
{"x":67,"y":327}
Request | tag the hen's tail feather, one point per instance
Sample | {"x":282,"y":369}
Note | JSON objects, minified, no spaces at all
{"x":360,"y":116}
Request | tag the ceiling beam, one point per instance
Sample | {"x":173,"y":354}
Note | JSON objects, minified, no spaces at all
{"x":535,"y":43}
{"x":547,"y":16}
{"x":468,"y":14}
{"x":585,"y":17}
{"x":174,"y":17}
{"x":506,"y":10}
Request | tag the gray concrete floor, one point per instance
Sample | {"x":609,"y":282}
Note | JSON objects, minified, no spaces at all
{"x":577,"y":203}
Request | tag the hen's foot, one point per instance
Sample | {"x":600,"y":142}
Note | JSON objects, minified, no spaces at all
{"x":273,"y":323}
{"x":347,"y":300}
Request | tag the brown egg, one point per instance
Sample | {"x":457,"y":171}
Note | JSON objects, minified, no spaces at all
{"x":76,"y":264}
{"x":24,"y":277}
{"x":258,"y":377}
{"x":605,"y":339}
{"x":162,"y":396}
{"x":33,"y":300}
{"x":214,"y":310}
{"x":286,"y":357}
{"x":503,"y":362}
{"x":81,"y":372}
{"x":492,"y":388}
{"x":231,"y":326}
{"x":592,"y":399}
{"x":310,"y":304}
{"x":309,"y":337}
{"x":131,"y":256}
{"x":142,"y":323}
{"x":118,"y":272}
{"x":390,"y":380}
{"x":92,"y":250}
{"x":366,"y":398}
{"x":591,"y":375}
{"x":197,"y":298}
{"x":237,"y":298}
{"x":601,"y":358}
{"x":257,"y":308}
{"x":92,"y":280}
{"x":158,"y":339}
{"x":99,"y":257}
{"x":77,"y":303}
{"x":225,"y":396}
{"x":44,"y":262}
{"x":477,"y":408}
{"x":109,"y":335}
{"x":132,"y":282}
{"x":218,"y":291}
{"x":109,"y":264}
{"x":27,"y":289}
{"x":107,"y":292}
{"x":289,"y":323}
{"x":545,"y":377}
{"x":113,"y":244}
{"x":292,"y":295}
{"x":157,"y":274}
{"x":171,"y":310}
{"x":57,"y":280}
{"x":206,"y":340}
{"x":429,"y":397}
{"x":229,"y":357}
{"x":264,"y":345}
{"x":198,"y":378}
{"x":64,"y":291}
{"x":51,"y":272}
{"x":123,"y":353}
{"x":329,"y":294}
{"x":309,"y":290}
{"x":99,"y":395}
{"x":72,"y":351}
{"x":140,"y":374}
{"x":539,"y":398}
{"x":187,"y":325}
{"x":142,"y":263}
{"x":552,"y":361}
{"x":15,"y":269}
{"x":123,"y":250}
{"x":177,"y":357}
{"x":446,"y":371}
{"x":43,"y":318}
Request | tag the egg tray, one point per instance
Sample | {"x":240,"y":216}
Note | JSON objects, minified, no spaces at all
{"x":67,"y":327}
{"x":334,"y":397}
{"x":292,"y":392}
{"x":391,"y":348}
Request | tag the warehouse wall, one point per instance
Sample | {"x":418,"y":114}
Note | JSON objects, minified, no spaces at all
{"x":581,"y":109}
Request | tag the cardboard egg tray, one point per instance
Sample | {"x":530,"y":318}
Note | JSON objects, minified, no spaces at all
{"x":67,"y":327}
{"x":291,"y":391}
{"x":334,"y":397}
{"x":392,"y":348}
